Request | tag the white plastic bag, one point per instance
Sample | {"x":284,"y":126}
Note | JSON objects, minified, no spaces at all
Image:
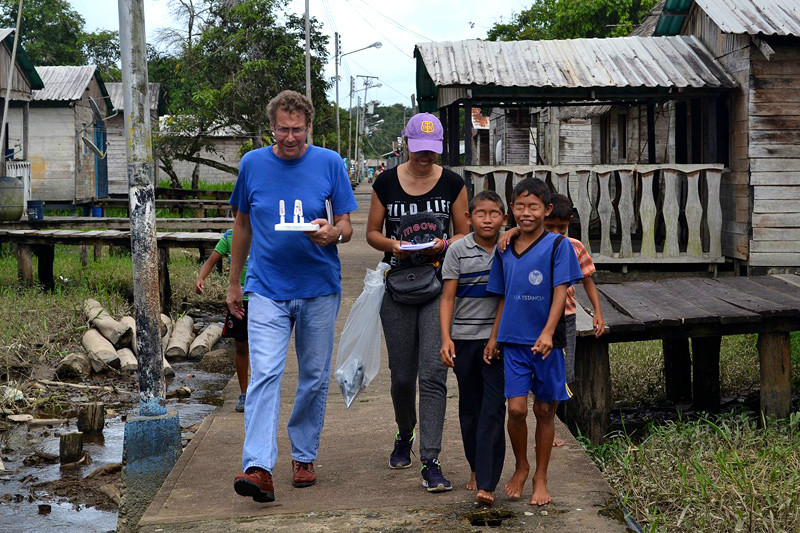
{"x":359,"y":355}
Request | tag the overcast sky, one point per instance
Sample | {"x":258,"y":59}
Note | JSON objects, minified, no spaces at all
{"x":398,"y":25}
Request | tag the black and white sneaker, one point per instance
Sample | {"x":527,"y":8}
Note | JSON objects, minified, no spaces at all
{"x":432,"y":478}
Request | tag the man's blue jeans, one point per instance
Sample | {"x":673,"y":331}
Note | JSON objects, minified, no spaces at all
{"x":269,"y":327}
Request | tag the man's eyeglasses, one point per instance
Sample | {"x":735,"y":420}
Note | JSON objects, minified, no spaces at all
{"x":296,"y":132}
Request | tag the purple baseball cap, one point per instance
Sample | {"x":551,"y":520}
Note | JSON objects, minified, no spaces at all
{"x":424,"y":132}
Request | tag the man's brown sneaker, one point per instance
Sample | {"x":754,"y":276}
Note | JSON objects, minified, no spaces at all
{"x":257,"y":483}
{"x":304,"y":475}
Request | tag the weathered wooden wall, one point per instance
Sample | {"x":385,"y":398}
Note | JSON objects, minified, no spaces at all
{"x":512,"y":127}
{"x":20,"y":88}
{"x":774,"y":151}
{"x":733,"y":52}
{"x":117,"y":158}
{"x":52,"y":146}
{"x":227,"y":151}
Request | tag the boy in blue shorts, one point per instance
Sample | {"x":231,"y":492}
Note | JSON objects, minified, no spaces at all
{"x":466,"y":317}
{"x":532,"y":276}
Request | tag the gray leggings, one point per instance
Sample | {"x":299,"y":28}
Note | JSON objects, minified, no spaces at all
{"x":413,"y":341}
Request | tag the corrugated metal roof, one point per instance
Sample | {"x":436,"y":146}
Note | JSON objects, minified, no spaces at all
{"x":63,"y":83}
{"x":479,"y":120}
{"x":648,"y":25}
{"x":115,"y":93}
{"x":754,"y":17}
{"x":7,"y":35}
{"x":664,"y":62}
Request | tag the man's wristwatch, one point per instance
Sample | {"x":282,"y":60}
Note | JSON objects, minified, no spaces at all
{"x":340,"y":239}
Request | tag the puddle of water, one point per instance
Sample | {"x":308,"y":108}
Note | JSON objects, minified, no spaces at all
{"x":105,"y":449}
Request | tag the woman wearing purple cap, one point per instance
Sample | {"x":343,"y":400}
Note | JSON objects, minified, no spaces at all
{"x":431,"y":196}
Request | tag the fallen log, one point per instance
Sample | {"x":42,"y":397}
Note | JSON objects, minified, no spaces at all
{"x":181,"y":339}
{"x":204,"y":342}
{"x":127,"y":361}
{"x":130,"y":322}
{"x":76,"y":385}
{"x":168,"y":371}
{"x":113,"y":468}
{"x":70,"y":447}
{"x":75,"y":365}
{"x":166,"y":332}
{"x":42,"y":422}
{"x":117,"y":333}
{"x":101,"y":352}
{"x":91,"y":417}
{"x":166,"y":325}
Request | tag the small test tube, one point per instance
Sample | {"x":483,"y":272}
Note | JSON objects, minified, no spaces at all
{"x":282,"y":209}
{"x":298,"y":212}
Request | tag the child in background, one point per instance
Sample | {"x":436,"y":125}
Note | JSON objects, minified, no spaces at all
{"x":532,"y":277}
{"x":234,"y":328}
{"x":466,"y":317}
{"x":558,"y":222}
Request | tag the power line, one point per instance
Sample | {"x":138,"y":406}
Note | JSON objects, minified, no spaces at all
{"x":382,"y":80}
{"x":391,"y":20}
{"x":376,"y":29}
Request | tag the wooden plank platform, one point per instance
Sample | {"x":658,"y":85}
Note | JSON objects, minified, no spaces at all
{"x":121,"y":223}
{"x":677,"y":310}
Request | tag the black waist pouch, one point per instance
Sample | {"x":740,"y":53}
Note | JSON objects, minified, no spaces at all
{"x":413,"y":285}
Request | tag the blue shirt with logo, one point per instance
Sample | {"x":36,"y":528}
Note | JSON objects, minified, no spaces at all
{"x":287,"y":265}
{"x":525,"y":281}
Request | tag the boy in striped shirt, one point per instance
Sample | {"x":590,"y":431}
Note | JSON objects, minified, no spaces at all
{"x":466,"y":316}
{"x":558,"y":222}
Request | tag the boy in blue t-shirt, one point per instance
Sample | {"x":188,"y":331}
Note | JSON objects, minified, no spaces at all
{"x":532,"y":276}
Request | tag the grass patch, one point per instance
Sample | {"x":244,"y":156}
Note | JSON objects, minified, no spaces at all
{"x":42,"y":327}
{"x":722,"y":473}
{"x":202,"y":185}
{"x":637,"y":369}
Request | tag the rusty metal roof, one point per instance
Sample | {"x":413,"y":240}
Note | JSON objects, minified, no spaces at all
{"x":64,"y":83}
{"x":666,"y":62}
{"x":479,"y":121}
{"x":753,"y":17}
{"x":115,"y":93}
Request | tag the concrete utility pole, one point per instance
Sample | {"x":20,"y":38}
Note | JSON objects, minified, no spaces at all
{"x":336,"y":47}
{"x":350,"y":125}
{"x":152,"y":441}
{"x":308,"y":68}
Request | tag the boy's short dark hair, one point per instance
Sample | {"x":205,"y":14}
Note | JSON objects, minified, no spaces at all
{"x":533,"y":186}
{"x":486,"y":195}
{"x":562,"y":208}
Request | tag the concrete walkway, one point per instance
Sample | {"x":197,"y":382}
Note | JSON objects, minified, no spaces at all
{"x":356,"y":490}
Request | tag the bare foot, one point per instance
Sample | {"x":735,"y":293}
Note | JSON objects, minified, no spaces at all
{"x":514,"y":486}
{"x":557,"y":443}
{"x":540,"y":494}
{"x":485,"y":496}
{"x":472,"y":484}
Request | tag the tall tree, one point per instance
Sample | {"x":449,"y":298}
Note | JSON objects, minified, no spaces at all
{"x":101,"y":48}
{"x":571,"y":19}
{"x":50,"y":30}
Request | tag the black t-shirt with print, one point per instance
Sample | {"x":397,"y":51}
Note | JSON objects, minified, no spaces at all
{"x":398,"y":202}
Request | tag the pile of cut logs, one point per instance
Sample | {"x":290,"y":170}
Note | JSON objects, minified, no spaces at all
{"x":111,"y":343}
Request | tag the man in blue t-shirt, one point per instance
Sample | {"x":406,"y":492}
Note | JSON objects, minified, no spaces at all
{"x":532,"y":276}
{"x":293,"y":278}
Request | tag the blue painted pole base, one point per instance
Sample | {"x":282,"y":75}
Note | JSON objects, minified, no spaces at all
{"x":151,"y":447}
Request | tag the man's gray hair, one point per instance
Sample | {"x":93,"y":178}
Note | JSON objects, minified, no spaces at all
{"x":290,"y":102}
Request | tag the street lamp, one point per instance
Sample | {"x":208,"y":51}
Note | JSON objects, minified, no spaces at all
{"x":337,"y":60}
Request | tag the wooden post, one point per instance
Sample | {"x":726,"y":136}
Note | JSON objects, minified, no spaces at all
{"x":592,"y":388}
{"x":46,"y":255}
{"x":677,"y":369}
{"x":84,"y":255}
{"x":98,"y":252}
{"x":70,"y":448}
{"x":453,"y":135}
{"x":25,"y":263}
{"x":705,"y":378}
{"x":91,"y":417}
{"x":774,"y":351}
{"x":164,"y":288}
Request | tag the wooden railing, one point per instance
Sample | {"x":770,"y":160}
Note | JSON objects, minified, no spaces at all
{"x":636,"y":213}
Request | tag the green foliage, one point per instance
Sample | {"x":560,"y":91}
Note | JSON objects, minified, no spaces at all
{"x":101,"y":48}
{"x":571,"y":19}
{"x":50,"y":30}
{"x":721,"y":473}
{"x":380,"y":136}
